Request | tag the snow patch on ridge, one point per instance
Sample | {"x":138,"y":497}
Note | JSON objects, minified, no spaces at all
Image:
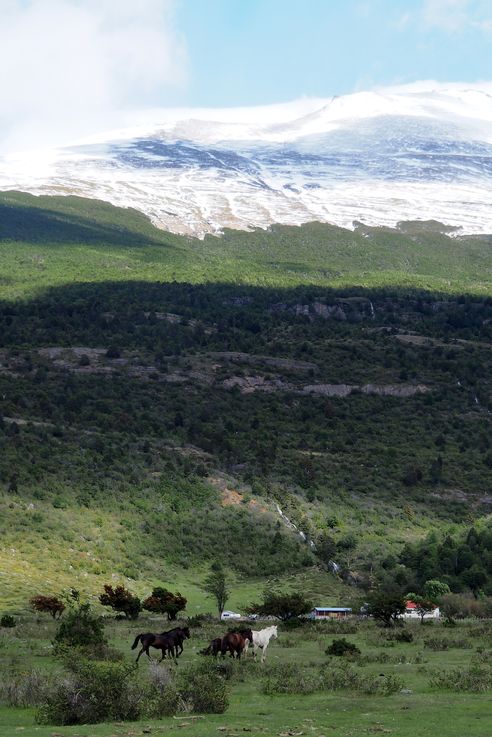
{"x":421,"y":152}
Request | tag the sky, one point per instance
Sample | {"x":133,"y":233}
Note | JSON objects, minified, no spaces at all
{"x":71,"y":67}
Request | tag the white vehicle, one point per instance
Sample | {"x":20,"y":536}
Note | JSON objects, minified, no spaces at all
{"x":230,"y":615}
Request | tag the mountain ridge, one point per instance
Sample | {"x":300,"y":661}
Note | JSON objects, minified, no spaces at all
{"x":409,"y":153}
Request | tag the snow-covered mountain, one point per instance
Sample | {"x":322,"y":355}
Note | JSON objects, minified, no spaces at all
{"x":415,"y":152}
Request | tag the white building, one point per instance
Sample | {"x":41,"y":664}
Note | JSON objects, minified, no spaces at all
{"x":412,"y":612}
{"x":330,"y":612}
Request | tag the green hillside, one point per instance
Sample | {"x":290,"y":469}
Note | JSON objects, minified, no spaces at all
{"x":162,"y":396}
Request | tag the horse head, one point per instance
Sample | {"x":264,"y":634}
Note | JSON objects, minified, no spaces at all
{"x":186,"y":632}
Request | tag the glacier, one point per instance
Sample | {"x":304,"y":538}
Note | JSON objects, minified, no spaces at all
{"x":415,"y":152}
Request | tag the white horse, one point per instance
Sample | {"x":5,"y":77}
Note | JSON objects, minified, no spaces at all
{"x":261,"y":638}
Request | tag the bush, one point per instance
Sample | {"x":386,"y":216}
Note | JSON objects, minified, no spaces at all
{"x":93,"y":692}
{"x":335,"y":679}
{"x":203,"y":689}
{"x":462,"y":606}
{"x":24,"y":688}
{"x":337,"y":627}
{"x":385,"y":685}
{"x":121,"y":600}
{"x":7,"y":620}
{"x":477,"y":679}
{"x":164,"y":698}
{"x":441,"y":643}
{"x":81,"y":628}
{"x":198,"y":620}
{"x":49,"y":604}
{"x":289,"y":678}
{"x":403,"y":636}
{"x":342,"y":647}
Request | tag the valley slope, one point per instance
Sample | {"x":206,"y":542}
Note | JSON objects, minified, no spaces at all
{"x":164,"y":397}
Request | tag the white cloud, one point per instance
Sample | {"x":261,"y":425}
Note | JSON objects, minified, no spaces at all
{"x":69,"y":66}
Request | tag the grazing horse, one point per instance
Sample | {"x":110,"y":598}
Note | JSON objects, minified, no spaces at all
{"x":168,"y":642}
{"x":236,"y":642}
{"x":260,"y":640}
{"x":214,"y":648}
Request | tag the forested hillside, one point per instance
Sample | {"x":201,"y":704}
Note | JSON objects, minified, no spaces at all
{"x":163,"y":399}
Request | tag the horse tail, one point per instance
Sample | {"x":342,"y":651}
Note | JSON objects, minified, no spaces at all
{"x":207,"y":650}
{"x":137,"y":640}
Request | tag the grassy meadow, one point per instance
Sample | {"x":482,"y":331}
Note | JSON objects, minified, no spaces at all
{"x":417,"y":706}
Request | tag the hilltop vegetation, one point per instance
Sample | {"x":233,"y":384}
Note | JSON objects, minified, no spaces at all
{"x":162,"y":397}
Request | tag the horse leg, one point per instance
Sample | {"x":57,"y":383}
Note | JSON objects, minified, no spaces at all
{"x":263,"y":652}
{"x":140,"y":653}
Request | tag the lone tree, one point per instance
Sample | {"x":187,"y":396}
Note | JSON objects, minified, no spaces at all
{"x":386,"y":607}
{"x":435,"y":589}
{"x":217,"y":587}
{"x":282,"y":606}
{"x":162,"y":601}
{"x":49,"y":604}
{"x":121,"y":600}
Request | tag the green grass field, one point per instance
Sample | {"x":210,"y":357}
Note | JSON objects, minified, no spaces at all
{"x":423,"y":710}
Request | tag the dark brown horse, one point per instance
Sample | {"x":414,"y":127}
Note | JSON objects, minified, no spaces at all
{"x":235,"y":642}
{"x":170,"y":642}
{"x":214,"y":648}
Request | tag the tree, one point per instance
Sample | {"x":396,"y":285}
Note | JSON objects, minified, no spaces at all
{"x":121,"y":600}
{"x":49,"y":604}
{"x":386,"y":607}
{"x":282,"y":606}
{"x":216,"y":586}
{"x":475,"y":577}
{"x":162,"y":601}
{"x":435,"y":589}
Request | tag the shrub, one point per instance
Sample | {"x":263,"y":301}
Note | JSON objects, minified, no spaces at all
{"x":441,"y":643}
{"x":121,"y":600}
{"x":337,"y":627}
{"x":49,"y":604}
{"x":24,"y":688}
{"x":335,"y":679}
{"x":342,"y":647}
{"x":164,"y":698}
{"x":203,"y":690}
{"x":198,"y":620}
{"x":403,"y":636}
{"x":93,"y":692}
{"x":462,"y":606}
{"x":81,"y":628}
{"x":283,"y":606}
{"x":289,"y":678}
{"x":162,"y":601}
{"x":7,"y":620}
{"x":476,"y":679}
{"x":385,"y":685}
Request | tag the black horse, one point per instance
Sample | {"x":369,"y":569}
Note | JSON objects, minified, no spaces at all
{"x":170,"y":642}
